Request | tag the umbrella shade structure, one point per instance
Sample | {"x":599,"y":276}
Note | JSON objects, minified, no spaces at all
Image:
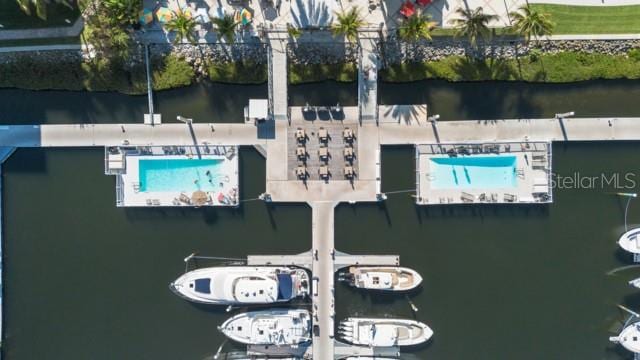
{"x":199,"y":197}
{"x":424,"y":2}
{"x":146,"y":17}
{"x":408,"y":9}
{"x":187,"y":11}
{"x":164,"y":14}
{"x":246,"y":16}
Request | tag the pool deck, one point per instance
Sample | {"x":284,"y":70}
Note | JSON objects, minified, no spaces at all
{"x":533,"y":170}
{"x":124,"y":163}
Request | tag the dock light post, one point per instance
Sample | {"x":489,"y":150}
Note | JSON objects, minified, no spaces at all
{"x":434,"y":124}
{"x":560,"y":117}
{"x":630,"y":197}
{"x":184,"y":119}
{"x":565,"y":115}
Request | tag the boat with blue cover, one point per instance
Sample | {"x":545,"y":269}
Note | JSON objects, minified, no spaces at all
{"x":242,"y":285}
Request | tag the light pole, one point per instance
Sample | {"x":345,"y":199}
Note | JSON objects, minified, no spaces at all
{"x":560,"y":117}
{"x":185,"y":120}
{"x":189,"y":123}
{"x":434,"y":124}
{"x":565,"y":115}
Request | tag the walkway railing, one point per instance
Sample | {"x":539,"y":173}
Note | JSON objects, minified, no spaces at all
{"x":270,"y":80}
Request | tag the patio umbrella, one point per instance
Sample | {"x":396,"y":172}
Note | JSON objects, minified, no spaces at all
{"x":199,"y":197}
{"x":408,"y":9}
{"x":246,"y":16}
{"x":164,"y":15}
{"x":221,"y":198}
{"x":146,"y":16}
{"x":188,"y":13}
{"x":424,"y":2}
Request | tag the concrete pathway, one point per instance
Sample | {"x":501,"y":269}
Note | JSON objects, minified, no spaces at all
{"x":323,"y":279}
{"x":368,"y":77}
{"x":44,"y":33}
{"x":278,"y":80}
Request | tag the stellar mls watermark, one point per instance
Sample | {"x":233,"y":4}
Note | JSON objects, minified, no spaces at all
{"x":607,"y":181}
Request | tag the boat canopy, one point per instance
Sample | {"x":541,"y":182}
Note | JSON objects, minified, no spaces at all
{"x":285,"y":286}
{"x":203,"y":285}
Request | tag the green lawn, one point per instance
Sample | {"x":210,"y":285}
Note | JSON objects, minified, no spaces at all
{"x":12,"y":17}
{"x":341,"y":72}
{"x":593,"y":19}
{"x":553,"y":68}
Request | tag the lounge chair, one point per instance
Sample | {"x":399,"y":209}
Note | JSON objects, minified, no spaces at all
{"x":510,"y":198}
{"x":467,"y":198}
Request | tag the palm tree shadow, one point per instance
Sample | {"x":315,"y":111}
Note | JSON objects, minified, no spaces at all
{"x":312,"y":13}
{"x":409,"y":114}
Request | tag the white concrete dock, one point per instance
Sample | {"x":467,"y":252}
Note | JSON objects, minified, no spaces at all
{"x":474,"y":131}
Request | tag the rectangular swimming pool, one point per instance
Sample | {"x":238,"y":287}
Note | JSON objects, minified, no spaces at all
{"x":186,"y":175}
{"x":473,"y":172}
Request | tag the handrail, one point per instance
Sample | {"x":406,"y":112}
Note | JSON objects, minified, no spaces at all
{"x":270,"y":80}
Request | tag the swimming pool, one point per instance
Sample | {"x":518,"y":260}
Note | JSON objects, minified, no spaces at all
{"x":473,"y":172}
{"x":180,"y":174}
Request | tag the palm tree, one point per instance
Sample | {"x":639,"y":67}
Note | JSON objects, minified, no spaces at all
{"x":226,"y":27}
{"x":123,"y":12}
{"x":40,"y":6}
{"x":347,"y":24}
{"x":473,"y":23}
{"x":529,"y":22}
{"x":416,"y":27}
{"x":183,"y":26}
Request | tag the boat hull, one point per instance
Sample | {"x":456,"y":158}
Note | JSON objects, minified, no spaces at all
{"x":280,"y":327}
{"x":383,"y":278}
{"x":384,"y":332}
{"x":629,"y":338}
{"x":630,"y":241}
{"x":242,"y":285}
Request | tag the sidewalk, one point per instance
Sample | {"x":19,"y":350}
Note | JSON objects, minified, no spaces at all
{"x":44,"y":33}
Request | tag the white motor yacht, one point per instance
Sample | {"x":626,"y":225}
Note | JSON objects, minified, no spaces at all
{"x":385,"y":278}
{"x":629,"y":338}
{"x":630,"y":241}
{"x":384,"y":332}
{"x":234,"y":285}
{"x":281,"y":327}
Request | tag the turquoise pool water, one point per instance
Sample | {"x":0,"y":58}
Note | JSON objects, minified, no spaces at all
{"x":180,"y":174}
{"x":473,"y":172}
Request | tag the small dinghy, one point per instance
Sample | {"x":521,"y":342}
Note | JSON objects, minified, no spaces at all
{"x":281,"y":327}
{"x":635,"y":283}
{"x":384,"y":332}
{"x":629,"y":338}
{"x":237,"y":285}
{"x":630,"y":241}
{"x":384,"y":278}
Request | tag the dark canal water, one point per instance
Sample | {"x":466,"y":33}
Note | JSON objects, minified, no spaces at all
{"x":86,"y":280}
